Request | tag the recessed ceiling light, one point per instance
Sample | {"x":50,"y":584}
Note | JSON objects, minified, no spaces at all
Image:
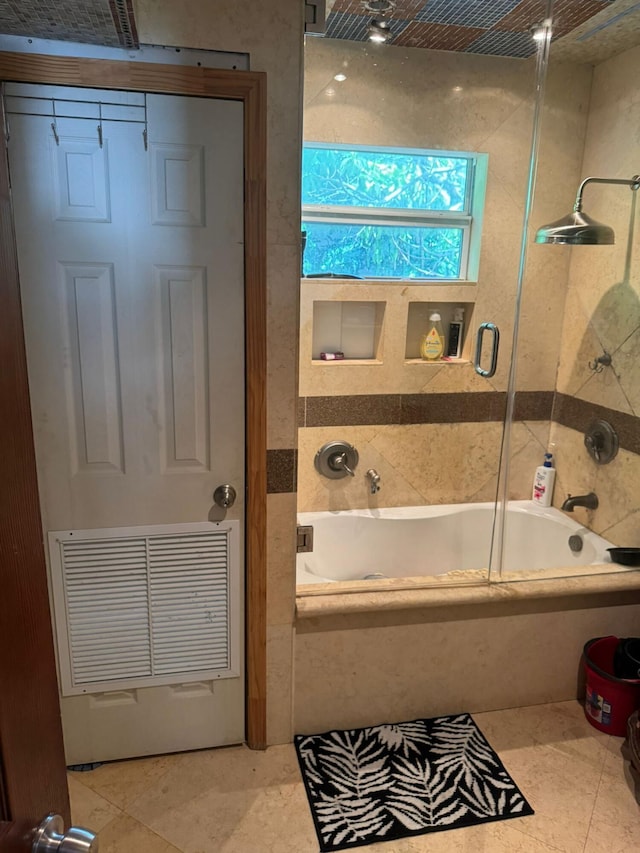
{"x":379,"y":7}
{"x":379,"y":31}
{"x":340,"y":77}
{"x":540,"y":30}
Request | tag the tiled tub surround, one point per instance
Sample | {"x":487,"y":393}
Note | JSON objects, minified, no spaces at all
{"x":603,"y":314}
{"x":433,"y":448}
{"x":366,"y":658}
{"x":444,"y":448}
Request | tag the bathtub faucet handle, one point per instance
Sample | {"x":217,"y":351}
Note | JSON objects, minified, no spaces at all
{"x":374,"y":480}
{"x":339,"y":462}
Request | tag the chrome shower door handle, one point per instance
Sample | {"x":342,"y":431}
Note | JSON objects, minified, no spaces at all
{"x":482,"y":328}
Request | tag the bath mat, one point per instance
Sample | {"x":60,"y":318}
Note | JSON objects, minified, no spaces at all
{"x":397,"y":780}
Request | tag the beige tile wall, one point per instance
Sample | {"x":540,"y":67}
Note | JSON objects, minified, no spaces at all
{"x":272,"y":35}
{"x":460,"y":102}
{"x":420,"y":464}
{"x":603,"y":305}
{"x":464,"y":102}
{"x":603,"y":302}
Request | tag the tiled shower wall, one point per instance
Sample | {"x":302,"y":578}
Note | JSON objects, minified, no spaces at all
{"x":434,"y":432}
{"x":603,"y":314}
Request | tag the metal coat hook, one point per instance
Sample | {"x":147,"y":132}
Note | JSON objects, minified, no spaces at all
{"x":145,"y":131}
{"x":100,"y":124}
{"x":54,"y":123}
{"x":600,"y":363}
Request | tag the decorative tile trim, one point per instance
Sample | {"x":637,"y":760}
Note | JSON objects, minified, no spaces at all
{"x":533,"y":405}
{"x":356,"y":410}
{"x":577,"y":414}
{"x":453,"y":408}
{"x":282,"y":471}
{"x":387,"y":409}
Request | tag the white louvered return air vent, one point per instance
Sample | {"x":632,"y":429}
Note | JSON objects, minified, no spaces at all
{"x":143,"y":606}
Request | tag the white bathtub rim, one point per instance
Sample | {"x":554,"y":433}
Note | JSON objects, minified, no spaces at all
{"x":308,"y":578}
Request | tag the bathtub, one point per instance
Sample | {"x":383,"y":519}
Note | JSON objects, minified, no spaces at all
{"x":370,"y":544}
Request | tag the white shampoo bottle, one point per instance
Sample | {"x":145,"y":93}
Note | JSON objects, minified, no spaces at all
{"x":543,"y":482}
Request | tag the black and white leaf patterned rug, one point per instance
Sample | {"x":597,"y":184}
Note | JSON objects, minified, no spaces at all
{"x":392,"y":781}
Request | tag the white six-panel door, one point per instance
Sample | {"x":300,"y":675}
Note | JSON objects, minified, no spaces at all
{"x":131,"y":268}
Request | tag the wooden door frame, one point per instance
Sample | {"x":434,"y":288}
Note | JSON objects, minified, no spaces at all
{"x":249,"y":88}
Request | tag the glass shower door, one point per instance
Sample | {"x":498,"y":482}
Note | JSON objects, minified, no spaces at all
{"x":576,"y":388}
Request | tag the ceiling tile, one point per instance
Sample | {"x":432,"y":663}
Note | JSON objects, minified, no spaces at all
{"x":501,"y":43}
{"x":567,"y":14}
{"x":343,"y":25}
{"x":466,"y":13}
{"x":437,"y":36}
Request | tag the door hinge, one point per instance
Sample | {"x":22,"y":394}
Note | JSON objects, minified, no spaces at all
{"x":304,"y":538}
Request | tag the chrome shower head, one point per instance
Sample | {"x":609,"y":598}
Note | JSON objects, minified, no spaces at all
{"x":578,"y":229}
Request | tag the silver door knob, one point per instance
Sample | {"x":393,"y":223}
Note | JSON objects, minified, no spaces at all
{"x":50,"y":837}
{"x":224,"y":496}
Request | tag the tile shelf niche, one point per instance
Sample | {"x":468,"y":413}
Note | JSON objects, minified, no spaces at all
{"x":353,"y":328}
{"x":418,"y":324}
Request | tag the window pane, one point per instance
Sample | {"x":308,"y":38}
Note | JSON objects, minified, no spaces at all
{"x":336,"y":176}
{"x":382,"y":251}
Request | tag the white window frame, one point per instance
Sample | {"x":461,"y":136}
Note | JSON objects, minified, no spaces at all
{"x":467,"y":219}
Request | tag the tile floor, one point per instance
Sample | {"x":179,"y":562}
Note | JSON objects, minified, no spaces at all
{"x":234,"y":800}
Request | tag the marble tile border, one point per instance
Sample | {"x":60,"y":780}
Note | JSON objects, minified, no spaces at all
{"x":469,"y":407}
{"x":388,"y":409}
{"x":577,"y":414}
{"x":282,"y":471}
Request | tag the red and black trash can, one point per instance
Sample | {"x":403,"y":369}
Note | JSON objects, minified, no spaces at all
{"x":611,"y":698}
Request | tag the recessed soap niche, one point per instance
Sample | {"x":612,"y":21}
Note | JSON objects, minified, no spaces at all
{"x":353,"y":328}
{"x":418,"y":324}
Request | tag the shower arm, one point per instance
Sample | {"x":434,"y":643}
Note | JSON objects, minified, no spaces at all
{"x":633,"y":184}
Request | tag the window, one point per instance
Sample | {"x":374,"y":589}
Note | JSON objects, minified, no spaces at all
{"x":387,"y":212}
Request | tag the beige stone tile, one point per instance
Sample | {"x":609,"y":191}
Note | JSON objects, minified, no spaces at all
{"x":231,"y":800}
{"x":279,"y":683}
{"x":120,"y":782}
{"x":560,"y":726}
{"x":125,"y":835}
{"x":89,"y":809}
{"x":580,"y":345}
{"x":604,"y":389}
{"x":281,"y":530}
{"x":445,"y":463}
{"x":616,"y":485}
{"x":625,"y":533}
{"x":460,"y":123}
{"x":282,"y":353}
{"x":541,"y":432}
{"x":615,"y":823}
{"x":563,"y":809}
{"x":317,"y":493}
{"x":627,"y":367}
